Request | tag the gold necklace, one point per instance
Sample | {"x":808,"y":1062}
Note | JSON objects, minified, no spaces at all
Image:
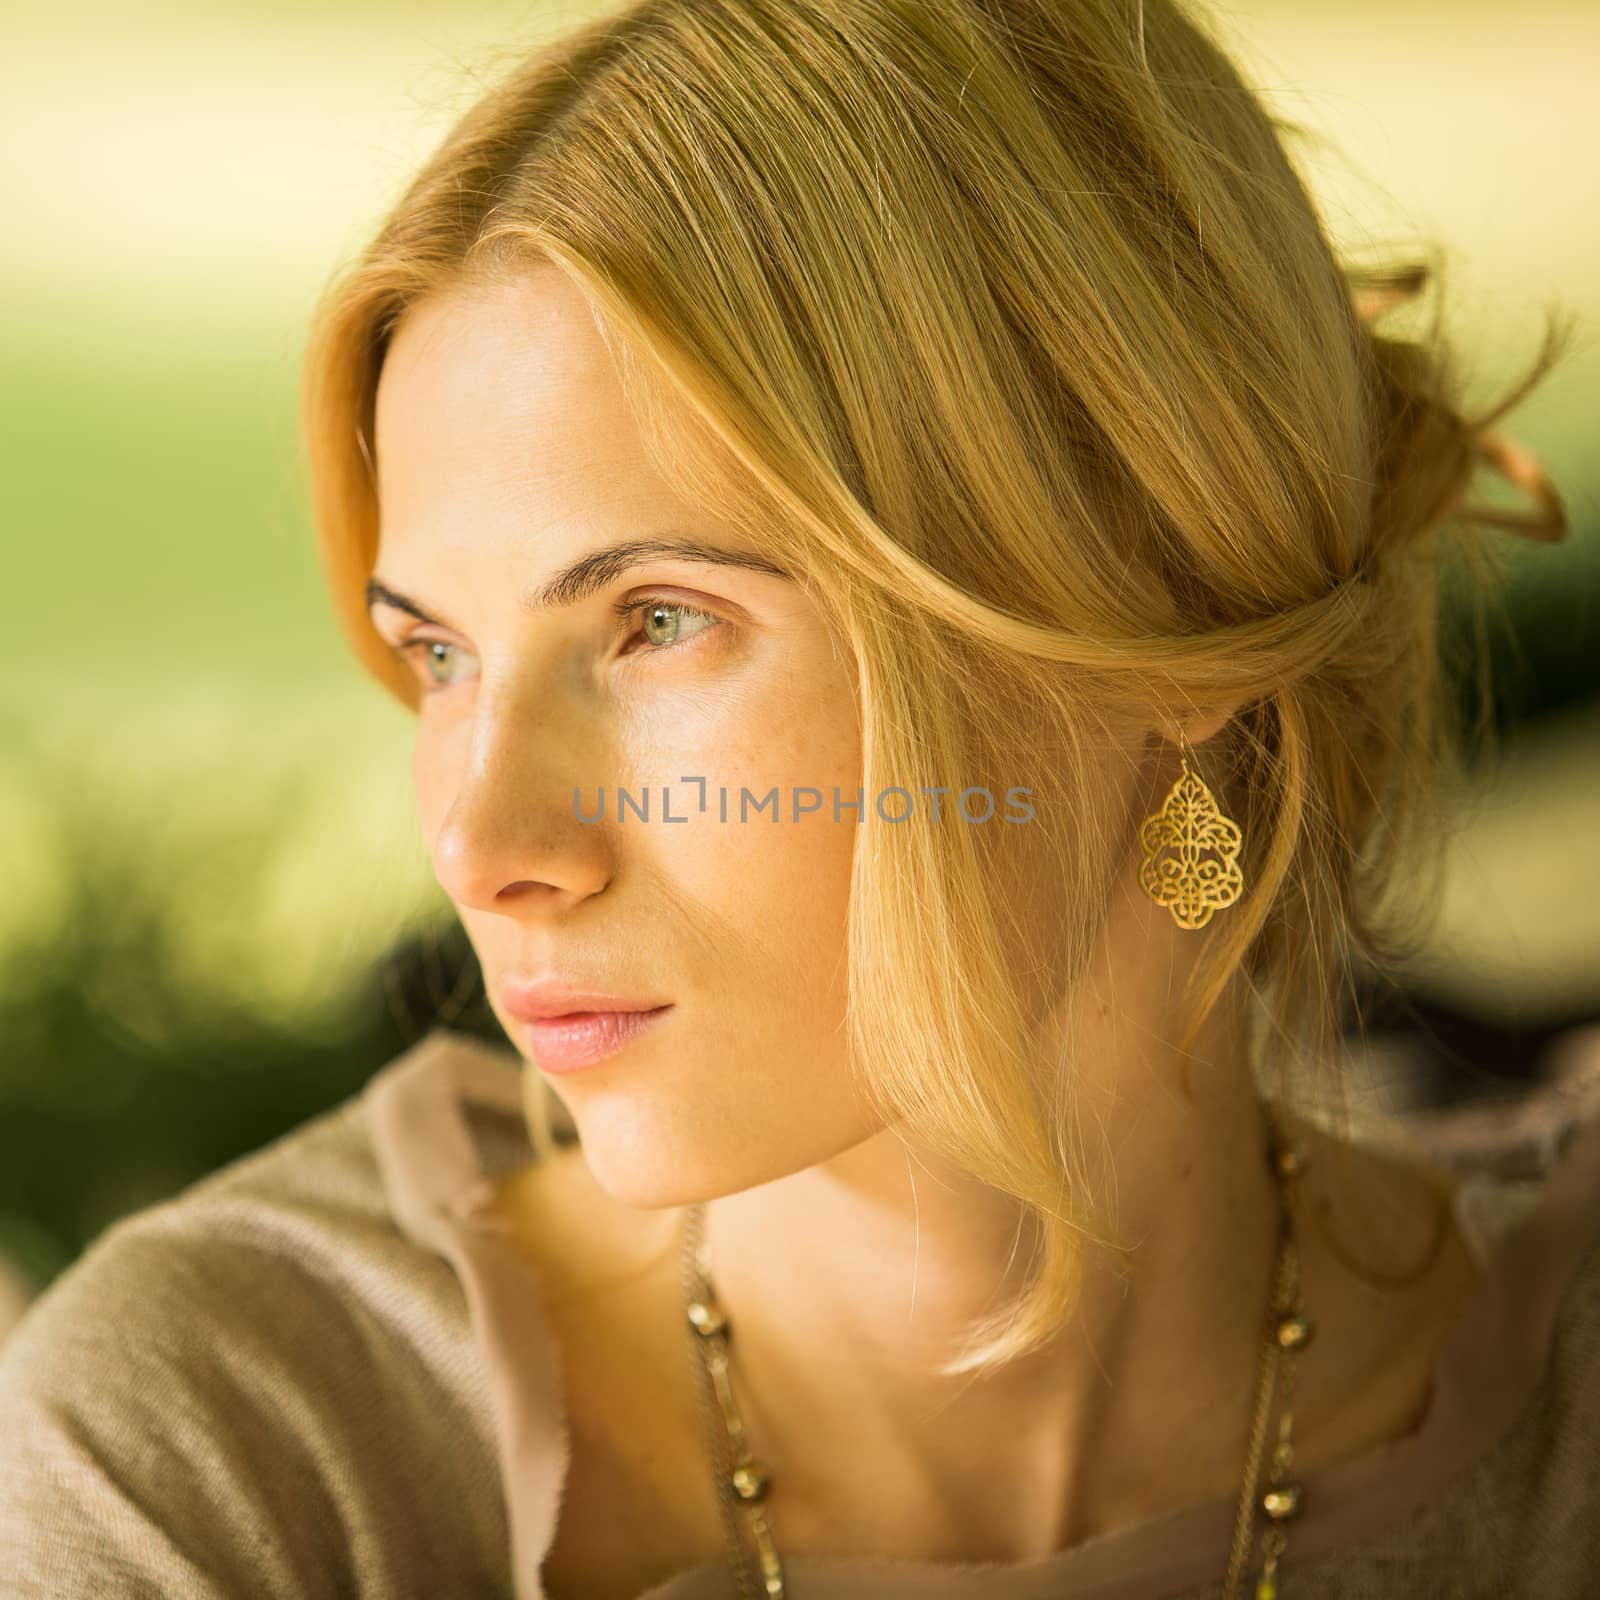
{"x":744,"y":1483}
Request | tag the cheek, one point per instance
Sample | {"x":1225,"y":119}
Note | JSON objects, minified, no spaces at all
{"x":776,"y":892}
{"x":767,"y":899}
{"x":431,"y":783}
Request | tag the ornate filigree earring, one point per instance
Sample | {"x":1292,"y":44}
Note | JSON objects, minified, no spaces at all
{"x":1174,"y":872}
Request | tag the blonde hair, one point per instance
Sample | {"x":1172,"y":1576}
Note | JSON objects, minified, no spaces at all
{"x":1011,"y":328}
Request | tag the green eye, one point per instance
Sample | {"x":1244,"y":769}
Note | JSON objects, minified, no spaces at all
{"x":665,"y":623}
{"x":425,"y":648}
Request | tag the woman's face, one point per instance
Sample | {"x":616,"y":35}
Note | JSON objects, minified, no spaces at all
{"x":505,"y":453}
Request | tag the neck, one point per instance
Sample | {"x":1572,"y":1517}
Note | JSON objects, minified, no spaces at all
{"x":847,"y":1283}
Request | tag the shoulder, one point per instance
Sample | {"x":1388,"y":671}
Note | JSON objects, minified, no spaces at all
{"x":1537,"y":1233}
{"x":1528,"y":1511}
{"x":244,"y":1390}
{"x":1529,"y":1506}
{"x":1505,"y":1498}
{"x":1558,"y":1441}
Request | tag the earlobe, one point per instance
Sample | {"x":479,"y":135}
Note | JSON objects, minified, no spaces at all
{"x":1197,"y":729}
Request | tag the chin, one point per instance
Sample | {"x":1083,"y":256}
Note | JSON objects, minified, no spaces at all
{"x":647,"y":1154}
{"x":650,"y":1167}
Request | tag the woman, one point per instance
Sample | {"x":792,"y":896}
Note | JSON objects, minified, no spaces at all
{"x":917,"y":581}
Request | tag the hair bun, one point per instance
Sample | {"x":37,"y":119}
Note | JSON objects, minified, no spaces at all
{"x":1430,"y":453}
{"x":1518,"y":465}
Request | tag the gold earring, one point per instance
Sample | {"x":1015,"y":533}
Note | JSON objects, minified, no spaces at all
{"x":1173,"y":873}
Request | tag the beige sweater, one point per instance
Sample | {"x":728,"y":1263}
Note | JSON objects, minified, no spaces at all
{"x":318,"y":1373}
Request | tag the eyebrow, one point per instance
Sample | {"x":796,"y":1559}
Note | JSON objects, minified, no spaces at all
{"x":592,"y":572}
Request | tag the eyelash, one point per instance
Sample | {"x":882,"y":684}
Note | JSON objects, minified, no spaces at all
{"x":623,"y":610}
{"x":628,"y":608}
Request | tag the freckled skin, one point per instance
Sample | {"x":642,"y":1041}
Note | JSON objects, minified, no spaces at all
{"x":505,"y":451}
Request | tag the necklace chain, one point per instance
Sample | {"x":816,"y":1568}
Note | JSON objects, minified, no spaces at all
{"x":744,"y":1483}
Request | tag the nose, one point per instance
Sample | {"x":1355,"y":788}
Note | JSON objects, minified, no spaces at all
{"x":511,"y":839}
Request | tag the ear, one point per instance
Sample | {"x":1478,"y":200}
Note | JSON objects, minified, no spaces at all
{"x":1196,"y":729}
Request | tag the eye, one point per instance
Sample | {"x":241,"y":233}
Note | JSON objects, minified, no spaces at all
{"x":663,"y":623}
{"x":423,"y":649}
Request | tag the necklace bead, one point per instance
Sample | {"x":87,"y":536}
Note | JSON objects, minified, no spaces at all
{"x":1283,"y":1502}
{"x":751,"y":1480}
{"x":1294,"y":1332}
{"x":706,"y":1317}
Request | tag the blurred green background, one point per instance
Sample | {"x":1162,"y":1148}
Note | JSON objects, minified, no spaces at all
{"x":217,"y":916}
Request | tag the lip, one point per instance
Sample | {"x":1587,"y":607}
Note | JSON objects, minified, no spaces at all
{"x":583,"y":1039}
{"x":535,"y":999}
{"x":569,"y":1026}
